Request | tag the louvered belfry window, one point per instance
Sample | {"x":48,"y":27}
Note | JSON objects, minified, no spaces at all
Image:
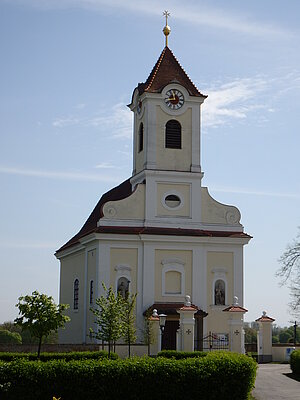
{"x":173,"y":135}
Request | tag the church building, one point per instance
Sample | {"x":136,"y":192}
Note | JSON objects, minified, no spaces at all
{"x":160,"y":234}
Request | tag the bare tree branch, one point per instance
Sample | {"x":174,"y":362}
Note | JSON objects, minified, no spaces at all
{"x":290,"y":272}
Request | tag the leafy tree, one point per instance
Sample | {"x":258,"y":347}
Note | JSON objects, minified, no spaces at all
{"x":7,"y":337}
{"x":129,"y":329}
{"x":149,"y":337}
{"x":26,"y":336}
{"x":11,"y":327}
{"x":290,"y":272}
{"x":284,"y":336}
{"x":275,"y":339}
{"x":108,"y":312}
{"x":40,"y":315}
{"x":250,"y":335}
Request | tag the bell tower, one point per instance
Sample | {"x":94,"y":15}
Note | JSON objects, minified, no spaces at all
{"x":167,"y":118}
{"x":167,"y":141}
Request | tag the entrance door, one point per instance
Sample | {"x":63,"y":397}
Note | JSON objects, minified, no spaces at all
{"x":169,"y":335}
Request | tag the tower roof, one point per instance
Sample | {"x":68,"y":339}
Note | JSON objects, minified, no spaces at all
{"x":168,"y":70}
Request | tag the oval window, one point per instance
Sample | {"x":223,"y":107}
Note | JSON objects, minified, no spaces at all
{"x":172,"y":201}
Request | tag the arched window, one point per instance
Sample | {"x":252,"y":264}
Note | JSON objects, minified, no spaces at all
{"x":219,"y":292}
{"x":173,"y":135}
{"x":141,"y":137}
{"x":92,"y":292}
{"x":123,"y":287}
{"x":76,"y":294}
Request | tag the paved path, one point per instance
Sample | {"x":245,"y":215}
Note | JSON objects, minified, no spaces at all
{"x":272,"y":383}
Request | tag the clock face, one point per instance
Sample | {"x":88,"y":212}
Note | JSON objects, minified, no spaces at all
{"x":174,"y":99}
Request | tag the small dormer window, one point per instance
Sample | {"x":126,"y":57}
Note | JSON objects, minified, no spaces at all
{"x":141,"y":137}
{"x":173,"y":135}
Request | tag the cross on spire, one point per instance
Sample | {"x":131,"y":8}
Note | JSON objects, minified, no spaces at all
{"x":166,"y":14}
{"x":166,"y":29}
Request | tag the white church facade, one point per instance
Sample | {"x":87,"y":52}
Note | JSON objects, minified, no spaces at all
{"x":160,"y":234}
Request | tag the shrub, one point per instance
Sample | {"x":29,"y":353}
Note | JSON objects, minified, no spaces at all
{"x":216,"y":376}
{"x":74,"y":355}
{"x":295,"y":362}
{"x":179,"y":355}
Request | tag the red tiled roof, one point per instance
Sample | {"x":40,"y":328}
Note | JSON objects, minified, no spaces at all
{"x":265,"y":318}
{"x":119,"y":192}
{"x":188,"y":308}
{"x":235,"y":309}
{"x":168,"y":70}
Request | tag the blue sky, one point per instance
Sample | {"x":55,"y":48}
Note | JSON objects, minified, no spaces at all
{"x":68,"y":69}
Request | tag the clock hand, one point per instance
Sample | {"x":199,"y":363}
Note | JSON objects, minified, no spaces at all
{"x":172,"y":98}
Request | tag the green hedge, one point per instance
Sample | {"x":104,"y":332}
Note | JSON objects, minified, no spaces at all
{"x":217,"y":376}
{"x":74,"y":355}
{"x":295,"y":362}
{"x":179,"y":355}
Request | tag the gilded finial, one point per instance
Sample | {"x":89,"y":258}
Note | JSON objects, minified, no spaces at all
{"x":166,"y":29}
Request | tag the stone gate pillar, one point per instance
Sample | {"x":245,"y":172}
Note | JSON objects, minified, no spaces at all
{"x":155,"y":340}
{"x":236,"y":329}
{"x":186,"y":332}
{"x":264,"y":338}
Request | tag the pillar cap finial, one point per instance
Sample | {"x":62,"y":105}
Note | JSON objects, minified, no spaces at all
{"x":154,"y":313}
{"x":188,"y":301}
{"x":235,"y":301}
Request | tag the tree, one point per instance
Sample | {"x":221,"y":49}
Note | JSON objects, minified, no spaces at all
{"x":129,"y":329}
{"x":250,"y":335}
{"x":26,"y":336}
{"x":149,"y":337}
{"x":40,"y":315}
{"x":7,"y":337}
{"x":290,"y":272}
{"x":108,"y":312}
{"x":284,"y":336}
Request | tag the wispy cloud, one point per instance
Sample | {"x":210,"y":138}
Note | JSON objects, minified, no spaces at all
{"x":117,"y":121}
{"x":199,"y":14}
{"x":254,"y":192}
{"x":66,"y":121}
{"x":106,"y":166}
{"x":232,"y":101}
{"x":80,"y":106}
{"x":227,"y":103}
{"x":74,"y":176}
{"x":239,"y":99}
{"x":25,"y":244}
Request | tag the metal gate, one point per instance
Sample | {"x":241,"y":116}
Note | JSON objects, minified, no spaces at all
{"x":214,"y":341}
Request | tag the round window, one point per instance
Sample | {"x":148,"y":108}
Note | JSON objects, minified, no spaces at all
{"x":172,"y":201}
